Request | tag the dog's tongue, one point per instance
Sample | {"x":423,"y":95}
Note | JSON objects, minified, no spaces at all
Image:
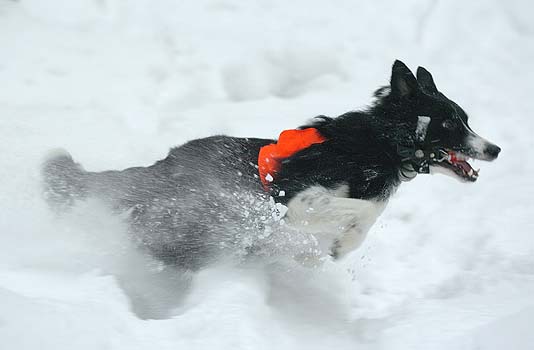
{"x":461,"y":163}
{"x":464,"y":165}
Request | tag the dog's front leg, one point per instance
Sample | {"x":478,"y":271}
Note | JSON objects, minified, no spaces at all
{"x":340,"y":224}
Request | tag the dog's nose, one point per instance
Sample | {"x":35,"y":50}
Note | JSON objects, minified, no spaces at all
{"x":492,"y":151}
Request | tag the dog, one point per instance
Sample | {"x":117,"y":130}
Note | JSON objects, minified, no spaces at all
{"x":332,"y":177}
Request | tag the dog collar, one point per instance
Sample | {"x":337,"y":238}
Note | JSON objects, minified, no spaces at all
{"x":420,"y":158}
{"x":416,"y":159}
{"x":289,"y":142}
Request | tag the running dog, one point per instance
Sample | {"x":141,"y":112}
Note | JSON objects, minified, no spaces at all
{"x":333,"y":176}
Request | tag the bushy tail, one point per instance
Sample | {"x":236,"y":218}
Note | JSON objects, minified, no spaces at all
{"x":63,"y":180}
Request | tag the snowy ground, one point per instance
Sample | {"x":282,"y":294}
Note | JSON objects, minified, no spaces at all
{"x":449,"y":265}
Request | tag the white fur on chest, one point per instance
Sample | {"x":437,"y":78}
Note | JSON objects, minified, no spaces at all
{"x":339,"y":223}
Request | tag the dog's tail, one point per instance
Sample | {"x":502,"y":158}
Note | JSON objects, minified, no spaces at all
{"x":63,"y":180}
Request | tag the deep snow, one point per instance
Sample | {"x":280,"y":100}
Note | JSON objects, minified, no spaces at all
{"x":117,"y":83}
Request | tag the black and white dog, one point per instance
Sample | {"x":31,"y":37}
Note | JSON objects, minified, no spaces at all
{"x":333,"y":176}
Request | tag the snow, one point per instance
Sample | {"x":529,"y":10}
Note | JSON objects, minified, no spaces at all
{"x":448,"y":265}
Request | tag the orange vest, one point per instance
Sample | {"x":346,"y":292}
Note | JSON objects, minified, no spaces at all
{"x":289,"y":143}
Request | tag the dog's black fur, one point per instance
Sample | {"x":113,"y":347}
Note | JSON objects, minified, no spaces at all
{"x":206,"y":194}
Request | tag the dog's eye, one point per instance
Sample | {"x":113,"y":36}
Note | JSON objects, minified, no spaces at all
{"x":449,"y":124}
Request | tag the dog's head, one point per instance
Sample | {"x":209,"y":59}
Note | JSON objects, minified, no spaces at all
{"x":438,"y":123}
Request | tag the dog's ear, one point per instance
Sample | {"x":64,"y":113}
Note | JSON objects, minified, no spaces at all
{"x":426,"y":81}
{"x":403,"y":82}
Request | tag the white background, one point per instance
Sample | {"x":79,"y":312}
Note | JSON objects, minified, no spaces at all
{"x":117,"y":83}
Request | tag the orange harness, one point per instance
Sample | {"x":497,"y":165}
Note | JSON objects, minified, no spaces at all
{"x":289,"y":143}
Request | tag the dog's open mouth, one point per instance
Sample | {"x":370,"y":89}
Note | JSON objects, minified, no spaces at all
{"x":458,"y":162}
